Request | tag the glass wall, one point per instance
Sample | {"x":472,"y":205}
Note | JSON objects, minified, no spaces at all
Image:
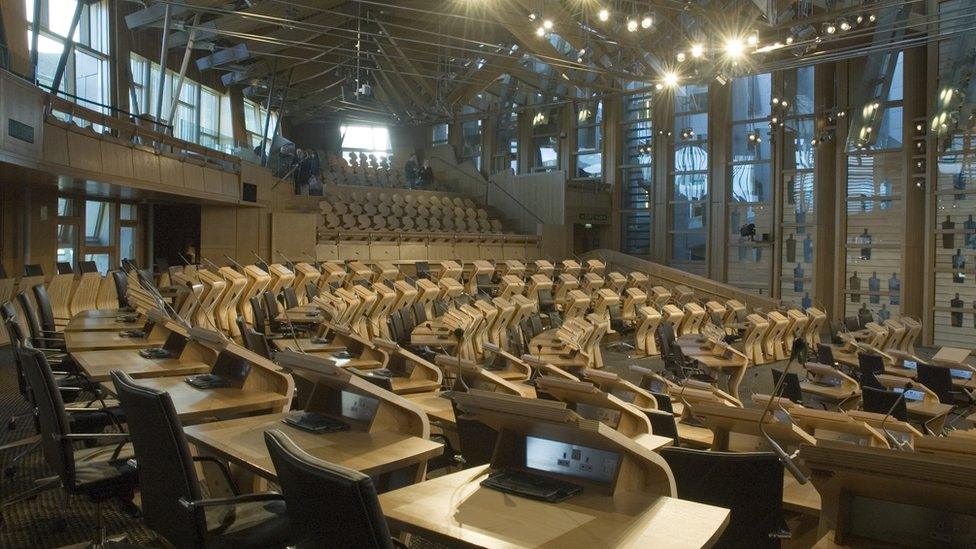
{"x":439,"y":134}
{"x":875,"y":183}
{"x":798,"y":198}
{"x":588,"y":157}
{"x":545,"y":139}
{"x":366,"y":139}
{"x":506,"y":143}
{"x":751,"y":184}
{"x":110,"y":232}
{"x":689,"y":189}
{"x":255,"y":116}
{"x":471,"y":142}
{"x":637,"y":172}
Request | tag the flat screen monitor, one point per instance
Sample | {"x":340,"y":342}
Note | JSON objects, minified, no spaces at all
{"x":571,"y":460}
{"x":961,"y":374}
{"x":232,"y":368}
{"x":911,"y":364}
{"x":357,"y":407}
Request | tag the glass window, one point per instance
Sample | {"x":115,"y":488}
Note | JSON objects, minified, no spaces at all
{"x":101,"y":260}
{"x":369,"y":140}
{"x":506,"y":142}
{"x":128,"y":212}
{"x":67,"y":243}
{"x":545,"y":139}
{"x":689,"y":193}
{"x":127,"y":243}
{"x":589,"y":140}
{"x":471,"y":142}
{"x":439,"y":134}
{"x":98,"y":223}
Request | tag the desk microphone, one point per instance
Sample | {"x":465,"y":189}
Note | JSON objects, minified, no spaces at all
{"x":160,"y":301}
{"x":799,"y":346}
{"x":892,"y":438}
{"x":236,"y":264}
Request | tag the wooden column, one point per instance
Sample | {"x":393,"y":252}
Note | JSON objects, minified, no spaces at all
{"x":914,"y":267}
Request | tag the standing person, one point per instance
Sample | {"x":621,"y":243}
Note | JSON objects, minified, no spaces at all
{"x":300,"y":173}
{"x":314,"y":174}
{"x":410,"y":171}
{"x":426,"y":175}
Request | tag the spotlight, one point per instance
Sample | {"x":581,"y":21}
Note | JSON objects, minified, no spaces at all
{"x":830,"y":28}
{"x":734,"y":47}
{"x":776,"y":101}
{"x":844,"y":25}
{"x":753,"y":137}
{"x":872,"y":18}
{"x":919,"y":127}
{"x":659,"y":86}
{"x":859,"y":19}
{"x":784,"y":103}
{"x":681,"y":57}
{"x":753,"y":39}
{"x":670,"y":79}
{"x":697,"y":50}
{"x":632,"y":25}
{"x":547,"y":24}
{"x":604,"y":14}
{"x":647,"y":21}
{"x":533,"y":16}
{"x":789,"y":40}
{"x":774,"y":120}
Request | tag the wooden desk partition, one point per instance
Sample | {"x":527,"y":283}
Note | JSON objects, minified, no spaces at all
{"x":875,"y":497}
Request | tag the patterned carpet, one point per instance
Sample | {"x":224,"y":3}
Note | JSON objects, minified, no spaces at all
{"x":53,"y":519}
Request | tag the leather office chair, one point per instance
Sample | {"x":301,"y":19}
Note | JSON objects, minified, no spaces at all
{"x":881,"y":402}
{"x":938,"y":380}
{"x":100,"y":473}
{"x":791,"y":385}
{"x":311,"y":291}
{"x":39,"y":338}
{"x":750,"y":484}
{"x":121,"y":287}
{"x":291,"y":298}
{"x":45,"y":313}
{"x":870,"y":365}
{"x":253,"y":340}
{"x":172,"y":500}
{"x":33,"y":270}
{"x":328,"y":505}
{"x":257,"y":312}
{"x":825,"y":355}
{"x":275,"y":327}
{"x":663,"y":424}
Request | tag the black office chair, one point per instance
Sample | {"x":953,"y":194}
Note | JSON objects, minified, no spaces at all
{"x":663,"y":424}
{"x":45,"y":313}
{"x":33,"y":270}
{"x":311,"y":291}
{"x":291,"y":298}
{"x":121,"y":287}
{"x":63,"y":267}
{"x":257,"y":313}
{"x":253,"y":340}
{"x":328,"y":505}
{"x":750,"y":484}
{"x":870,"y":366}
{"x":791,"y":385}
{"x":40,"y":338}
{"x":938,"y":380}
{"x":825,"y":355}
{"x":275,"y":326}
{"x":423,"y":269}
{"x":172,"y":500}
{"x":101,"y":473}
{"x":87,"y":267}
{"x":663,"y":402}
{"x":880,"y":401}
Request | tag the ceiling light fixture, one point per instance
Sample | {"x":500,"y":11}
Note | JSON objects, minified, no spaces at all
{"x":632,"y":25}
{"x":697,"y":50}
{"x":681,"y":57}
{"x":603,"y":14}
{"x":547,"y":24}
{"x":734,"y":47}
{"x":670,"y":79}
{"x":647,"y":21}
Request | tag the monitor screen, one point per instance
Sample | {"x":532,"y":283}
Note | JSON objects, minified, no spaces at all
{"x":232,"y":368}
{"x":357,"y":407}
{"x":911,"y":364}
{"x":911,"y":394}
{"x":569,"y":459}
{"x":174,"y":344}
{"x":961,"y":374}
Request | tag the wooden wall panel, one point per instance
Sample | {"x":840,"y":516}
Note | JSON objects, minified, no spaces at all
{"x":193,"y":177}
{"x":294,"y":234}
{"x":170,"y":171}
{"x":213,"y":181}
{"x":84,"y":150}
{"x":21,"y":102}
{"x":56,"y":145}
{"x":145,"y":165}
{"x":116,"y":160}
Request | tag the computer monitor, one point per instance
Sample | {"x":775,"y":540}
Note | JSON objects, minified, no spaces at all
{"x":232,"y":368}
{"x":571,"y":460}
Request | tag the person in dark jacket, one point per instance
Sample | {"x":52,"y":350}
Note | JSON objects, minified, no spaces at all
{"x":426,"y":176}
{"x":410,"y":171}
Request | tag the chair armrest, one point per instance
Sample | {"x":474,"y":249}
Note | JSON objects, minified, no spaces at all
{"x":223,"y":469}
{"x":246,"y":498}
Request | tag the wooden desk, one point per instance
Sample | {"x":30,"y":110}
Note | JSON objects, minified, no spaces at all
{"x":85,"y":323}
{"x":195,"y":405}
{"x":456,"y":511}
{"x":437,"y":408}
{"x":100,"y":364}
{"x":103,"y":341}
{"x":800,"y":498}
{"x":241,"y":441}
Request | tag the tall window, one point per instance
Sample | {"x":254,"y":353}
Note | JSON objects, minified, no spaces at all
{"x":197,"y":115}
{"x":689,"y":191}
{"x":506,"y":142}
{"x":545,"y":139}
{"x":86,"y":75}
{"x":751,"y":182}
{"x":110,"y":232}
{"x":255,"y":116}
{"x":471,"y":142}
{"x":637,"y":177}
{"x":439,"y":134}
{"x":799,"y":213}
{"x":589,"y":140}
{"x":368,"y":140}
{"x":875,"y":184}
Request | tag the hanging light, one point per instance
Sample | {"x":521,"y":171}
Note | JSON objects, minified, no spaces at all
{"x":830,"y":28}
{"x":647,"y":21}
{"x":697,"y":50}
{"x":540,"y":31}
{"x":670,"y":79}
{"x":547,"y":24}
{"x":734,"y":47}
{"x":681,"y":57}
{"x":632,"y":25}
{"x":844,"y":25}
{"x":603,"y":14}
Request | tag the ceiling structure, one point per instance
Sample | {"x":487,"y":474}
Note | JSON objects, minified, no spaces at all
{"x":418,"y":61}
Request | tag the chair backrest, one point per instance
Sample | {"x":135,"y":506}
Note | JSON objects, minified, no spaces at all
{"x":253,"y":340}
{"x":30,"y":315}
{"x":880,"y":401}
{"x":7,"y":311}
{"x":17,"y":339}
{"x":121,"y":287}
{"x":791,"y":385}
{"x":938,"y":380}
{"x":44,"y":311}
{"x":51,"y":417}
{"x":663,"y":424}
{"x":271,"y":307}
{"x":870,"y":366}
{"x":33,"y":270}
{"x":166,"y":470}
{"x":663,"y":402}
{"x":257,"y":312}
{"x":665,"y":337}
{"x":750,"y":484}
{"x":825,"y":355}
{"x":328,"y":505}
{"x":291,"y":298}
{"x":311,"y":291}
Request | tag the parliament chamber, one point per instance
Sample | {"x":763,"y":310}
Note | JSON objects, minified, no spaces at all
{"x":487,"y":273}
